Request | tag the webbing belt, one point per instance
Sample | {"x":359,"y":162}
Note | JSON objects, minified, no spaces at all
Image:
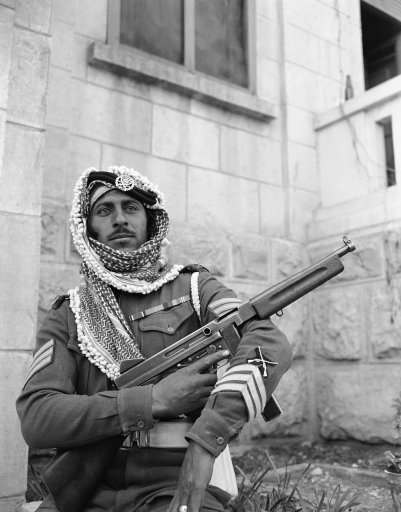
{"x":164,"y":434}
{"x":171,"y":434}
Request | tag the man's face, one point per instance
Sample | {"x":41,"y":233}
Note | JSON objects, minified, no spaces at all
{"x":119,"y":221}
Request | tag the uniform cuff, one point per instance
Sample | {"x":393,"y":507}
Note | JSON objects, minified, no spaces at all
{"x":210,"y":431}
{"x":135,"y":408}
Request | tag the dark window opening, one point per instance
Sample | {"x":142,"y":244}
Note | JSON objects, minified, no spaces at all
{"x":154,"y":26}
{"x":389,"y":151}
{"x":381,"y":40}
{"x":220,"y":39}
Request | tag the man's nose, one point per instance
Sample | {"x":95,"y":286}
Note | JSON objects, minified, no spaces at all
{"x":119,"y":217}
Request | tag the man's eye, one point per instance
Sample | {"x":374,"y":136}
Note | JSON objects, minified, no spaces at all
{"x":132,"y":207}
{"x":102,"y":210}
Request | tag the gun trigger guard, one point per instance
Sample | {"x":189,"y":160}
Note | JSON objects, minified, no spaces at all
{"x":280,"y":313}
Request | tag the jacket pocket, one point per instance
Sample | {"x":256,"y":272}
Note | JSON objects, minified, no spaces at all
{"x":168,"y":321}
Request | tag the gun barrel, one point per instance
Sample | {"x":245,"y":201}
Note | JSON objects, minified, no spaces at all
{"x":289,"y":290}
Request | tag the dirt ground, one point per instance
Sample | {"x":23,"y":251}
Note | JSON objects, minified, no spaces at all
{"x":356,"y":467}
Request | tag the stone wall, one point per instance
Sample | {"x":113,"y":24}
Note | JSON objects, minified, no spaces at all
{"x":245,"y":197}
{"x":241,"y":192}
{"x":357,"y":342}
{"x":24,"y":62}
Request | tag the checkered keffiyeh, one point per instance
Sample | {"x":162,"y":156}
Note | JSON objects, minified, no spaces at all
{"x":104,"y":334}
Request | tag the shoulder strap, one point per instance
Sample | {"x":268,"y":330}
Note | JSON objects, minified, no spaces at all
{"x":59,"y":300}
{"x":195,"y":294}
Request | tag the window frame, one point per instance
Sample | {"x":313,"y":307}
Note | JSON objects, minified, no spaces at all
{"x":184,"y":78}
{"x":113,"y":37}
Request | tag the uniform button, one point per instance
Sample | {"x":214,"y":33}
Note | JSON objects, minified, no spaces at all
{"x":220,"y":440}
{"x":140,"y":423}
{"x":170,"y":329}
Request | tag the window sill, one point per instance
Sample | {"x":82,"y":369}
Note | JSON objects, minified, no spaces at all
{"x":142,"y":66}
{"x":382,"y":93}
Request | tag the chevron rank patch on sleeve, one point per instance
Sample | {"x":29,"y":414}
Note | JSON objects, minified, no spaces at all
{"x":247,"y":380}
{"x":42,"y":358}
{"x":221,"y":306}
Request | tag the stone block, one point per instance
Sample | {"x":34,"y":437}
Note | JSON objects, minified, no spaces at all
{"x":6,"y":43}
{"x":345,"y":174}
{"x":91,"y":18}
{"x":83,"y":153}
{"x":64,"y":11}
{"x":287,"y":259}
{"x":303,"y":205}
{"x":111,"y":117}
{"x":301,"y":126}
{"x":223,"y":200}
{"x":185,"y":138}
{"x":13,"y":451}
{"x":295,"y":325}
{"x":302,"y":86}
{"x":177,"y":101}
{"x":313,"y":16}
{"x":19,"y":275}
{"x":250,"y":257}
{"x":268,"y":80}
{"x":60,"y":98}
{"x":3,"y":125}
{"x":303,"y":168}
{"x":62,"y":45}
{"x":357,"y":402}
{"x":272,"y":210}
{"x":267,"y":10}
{"x":302,"y":48}
{"x":384,"y":301}
{"x":34,"y":15}
{"x":28,"y":78}
{"x":291,"y":395}
{"x":12,"y":504}
{"x":204,"y":244}
{"x":248,"y":155}
{"x":338,"y":323}
{"x":21,"y":175}
{"x":116,"y":155}
{"x":392,"y":252}
{"x":80,"y":56}
{"x":55,"y":279}
{"x":54,"y":221}
{"x":231,"y":119}
{"x":106,"y":77}
{"x":267,"y":39}
{"x":8,"y":3}
{"x":55,"y":163}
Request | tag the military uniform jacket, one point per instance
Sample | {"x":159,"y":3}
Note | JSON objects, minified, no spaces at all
{"x":68,"y":402}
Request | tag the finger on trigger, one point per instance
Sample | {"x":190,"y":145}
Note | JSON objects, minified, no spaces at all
{"x":211,"y":359}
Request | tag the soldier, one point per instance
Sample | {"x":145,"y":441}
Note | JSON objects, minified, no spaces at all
{"x":131,"y":304}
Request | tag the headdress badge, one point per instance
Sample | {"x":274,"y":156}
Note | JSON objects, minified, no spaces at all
{"x":125,"y":182}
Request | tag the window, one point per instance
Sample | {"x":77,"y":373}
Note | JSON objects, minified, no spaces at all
{"x":205,"y":49}
{"x":204,"y":35}
{"x":381,"y":40}
{"x":387,"y":127}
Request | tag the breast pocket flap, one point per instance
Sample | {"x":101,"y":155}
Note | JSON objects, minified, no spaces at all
{"x":167,"y":321}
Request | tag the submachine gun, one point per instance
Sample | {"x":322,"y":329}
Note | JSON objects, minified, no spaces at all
{"x":73,"y":477}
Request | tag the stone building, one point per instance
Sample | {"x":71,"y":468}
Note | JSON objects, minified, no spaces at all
{"x":270,"y":127}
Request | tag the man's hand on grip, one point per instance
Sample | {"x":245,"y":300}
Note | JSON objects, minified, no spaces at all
{"x":186,"y":389}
